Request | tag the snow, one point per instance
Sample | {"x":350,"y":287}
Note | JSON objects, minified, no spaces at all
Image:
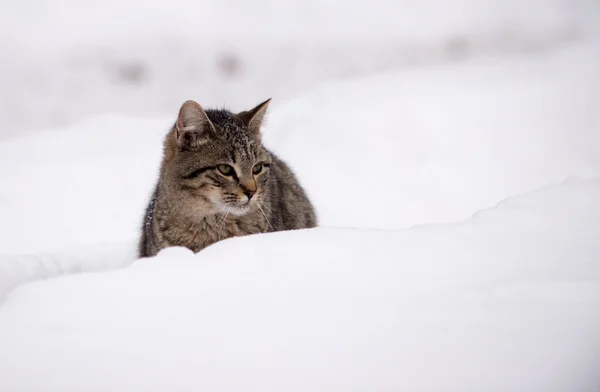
{"x":393,"y":150}
{"x":77,"y":58}
{"x":452,"y":152}
{"x":52,"y":25}
{"x":507,"y":300}
{"x":435,"y":144}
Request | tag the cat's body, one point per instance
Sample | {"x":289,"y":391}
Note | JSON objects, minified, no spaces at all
{"x":218,"y":181}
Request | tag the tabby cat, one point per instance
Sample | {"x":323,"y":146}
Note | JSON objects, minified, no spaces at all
{"x":217,"y":181}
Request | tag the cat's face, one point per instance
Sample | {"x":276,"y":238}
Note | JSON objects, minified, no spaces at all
{"x":218,"y":164}
{"x":224,"y":177}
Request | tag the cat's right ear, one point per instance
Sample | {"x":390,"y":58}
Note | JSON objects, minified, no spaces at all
{"x":193,"y":127}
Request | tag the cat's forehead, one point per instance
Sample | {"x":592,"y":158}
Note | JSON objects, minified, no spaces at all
{"x":234,"y":136}
{"x":229,"y":127}
{"x":226,"y":121}
{"x":244,"y":150}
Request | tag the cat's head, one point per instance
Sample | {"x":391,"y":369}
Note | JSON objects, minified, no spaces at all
{"x":215,"y":162}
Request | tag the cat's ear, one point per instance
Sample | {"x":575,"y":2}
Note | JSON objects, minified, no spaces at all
{"x":193,"y":126}
{"x":253,"y":118}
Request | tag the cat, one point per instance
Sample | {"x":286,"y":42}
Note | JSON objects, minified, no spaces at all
{"x":217,"y":181}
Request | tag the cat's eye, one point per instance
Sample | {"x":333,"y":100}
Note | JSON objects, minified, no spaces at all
{"x":257,"y":168}
{"x":225,"y":170}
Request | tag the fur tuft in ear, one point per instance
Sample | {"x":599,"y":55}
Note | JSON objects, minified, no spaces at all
{"x":253,"y":118}
{"x":193,"y":128}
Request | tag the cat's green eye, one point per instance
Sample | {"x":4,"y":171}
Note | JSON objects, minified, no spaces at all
{"x":257,"y":168}
{"x":225,"y":170}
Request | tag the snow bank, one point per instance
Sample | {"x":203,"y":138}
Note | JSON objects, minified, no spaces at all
{"x":435,"y":144}
{"x":390,"y":151}
{"x":16,"y":269}
{"x":507,"y":300}
{"x":78,"y":186}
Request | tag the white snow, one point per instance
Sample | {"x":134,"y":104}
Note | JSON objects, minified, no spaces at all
{"x":66,"y":60}
{"x":452,"y":150}
{"x":437,"y":143}
{"x":52,"y":26}
{"x":506,"y":301}
{"x":388,"y":151}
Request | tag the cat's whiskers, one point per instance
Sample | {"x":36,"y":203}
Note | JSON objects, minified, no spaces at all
{"x":265,"y":215}
{"x":270,"y":212}
{"x":227,"y":210}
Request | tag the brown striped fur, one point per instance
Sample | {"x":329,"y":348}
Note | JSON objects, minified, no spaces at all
{"x":195,"y":204}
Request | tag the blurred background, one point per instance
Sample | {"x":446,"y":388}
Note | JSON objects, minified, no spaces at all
{"x":63,"y":60}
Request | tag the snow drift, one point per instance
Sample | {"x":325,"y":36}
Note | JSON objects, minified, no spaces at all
{"x":508,"y":300}
{"x":422,"y":145}
{"x":403,"y":288}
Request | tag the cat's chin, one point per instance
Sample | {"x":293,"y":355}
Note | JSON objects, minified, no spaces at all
{"x":235,"y":210}
{"x":239,"y":211}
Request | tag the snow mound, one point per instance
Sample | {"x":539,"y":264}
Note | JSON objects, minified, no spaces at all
{"x":506,"y":300}
{"x":435,"y":144}
{"x":20,"y":268}
{"x":389,"y":151}
{"x":82,"y":185}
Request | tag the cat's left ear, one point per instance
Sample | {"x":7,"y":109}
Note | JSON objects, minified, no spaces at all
{"x":193,"y":127}
{"x":253,"y":118}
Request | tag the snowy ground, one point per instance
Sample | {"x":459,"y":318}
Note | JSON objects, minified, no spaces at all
{"x":508,"y":300}
{"x":453,"y":155}
{"x":422,"y":145}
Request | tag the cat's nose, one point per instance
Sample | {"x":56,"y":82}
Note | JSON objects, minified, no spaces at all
{"x":249,"y":188}
{"x":249,"y":193}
